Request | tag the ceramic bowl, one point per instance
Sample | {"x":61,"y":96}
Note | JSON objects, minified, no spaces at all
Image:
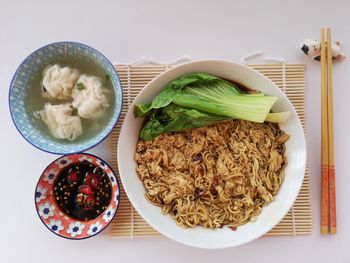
{"x":33,"y":66}
{"x":52,"y":215}
{"x":199,"y":236}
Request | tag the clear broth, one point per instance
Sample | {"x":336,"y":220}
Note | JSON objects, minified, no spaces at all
{"x":35,"y":101}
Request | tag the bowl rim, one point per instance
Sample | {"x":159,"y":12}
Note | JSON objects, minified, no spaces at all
{"x":284,"y":210}
{"x":120,"y":100}
{"x":75,"y":220}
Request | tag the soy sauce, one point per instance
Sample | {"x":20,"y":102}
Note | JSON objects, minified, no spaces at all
{"x":241,"y":87}
{"x":82,"y":191}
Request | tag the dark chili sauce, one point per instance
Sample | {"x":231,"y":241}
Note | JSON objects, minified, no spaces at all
{"x":82,"y":191}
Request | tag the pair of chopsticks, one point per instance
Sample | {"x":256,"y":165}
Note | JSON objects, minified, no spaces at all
{"x":328,"y":200}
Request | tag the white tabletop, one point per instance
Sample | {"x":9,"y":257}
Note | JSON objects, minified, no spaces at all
{"x":165,"y":30}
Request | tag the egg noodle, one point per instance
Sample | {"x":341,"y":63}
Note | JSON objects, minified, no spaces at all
{"x":219,"y":175}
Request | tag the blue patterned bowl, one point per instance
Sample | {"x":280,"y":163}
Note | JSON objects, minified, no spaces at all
{"x":31,"y":67}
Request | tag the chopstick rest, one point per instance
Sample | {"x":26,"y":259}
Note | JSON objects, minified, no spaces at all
{"x":312,"y":48}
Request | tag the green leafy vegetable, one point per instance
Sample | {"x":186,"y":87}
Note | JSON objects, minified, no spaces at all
{"x":173,"y":118}
{"x":199,"y":99}
{"x":173,"y":88}
{"x":80,"y":86}
{"x":142,"y":110}
{"x":224,"y":101}
{"x":107,"y":77}
{"x":278,"y":117}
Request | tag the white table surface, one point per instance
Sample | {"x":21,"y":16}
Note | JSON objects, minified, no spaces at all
{"x":165,"y":30}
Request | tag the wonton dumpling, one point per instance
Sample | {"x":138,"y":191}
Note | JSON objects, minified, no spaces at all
{"x":61,"y":122}
{"x":58,"y":81}
{"x":89,"y":97}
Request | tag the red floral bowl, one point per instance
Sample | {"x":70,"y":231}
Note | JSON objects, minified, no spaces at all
{"x":51,"y":213}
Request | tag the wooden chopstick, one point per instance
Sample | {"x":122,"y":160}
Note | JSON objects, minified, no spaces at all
{"x":331,"y":163}
{"x":324,"y":139}
{"x":328,"y":201}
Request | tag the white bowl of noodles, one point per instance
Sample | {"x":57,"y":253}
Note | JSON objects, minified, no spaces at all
{"x":295,"y":153}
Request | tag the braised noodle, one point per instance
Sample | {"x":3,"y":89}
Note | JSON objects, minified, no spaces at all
{"x":213,"y":176}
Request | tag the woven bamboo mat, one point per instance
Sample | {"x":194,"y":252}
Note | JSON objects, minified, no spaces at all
{"x":289,"y":77}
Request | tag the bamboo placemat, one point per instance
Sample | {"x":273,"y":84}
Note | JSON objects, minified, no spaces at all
{"x":289,"y":77}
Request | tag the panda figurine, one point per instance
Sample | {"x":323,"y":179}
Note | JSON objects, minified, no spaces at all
{"x":312,"y":48}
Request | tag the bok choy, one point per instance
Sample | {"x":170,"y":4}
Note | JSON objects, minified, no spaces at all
{"x":199,"y":99}
{"x":173,"y":118}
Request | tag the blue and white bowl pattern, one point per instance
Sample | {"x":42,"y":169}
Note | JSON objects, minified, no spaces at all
{"x":32,"y":66}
